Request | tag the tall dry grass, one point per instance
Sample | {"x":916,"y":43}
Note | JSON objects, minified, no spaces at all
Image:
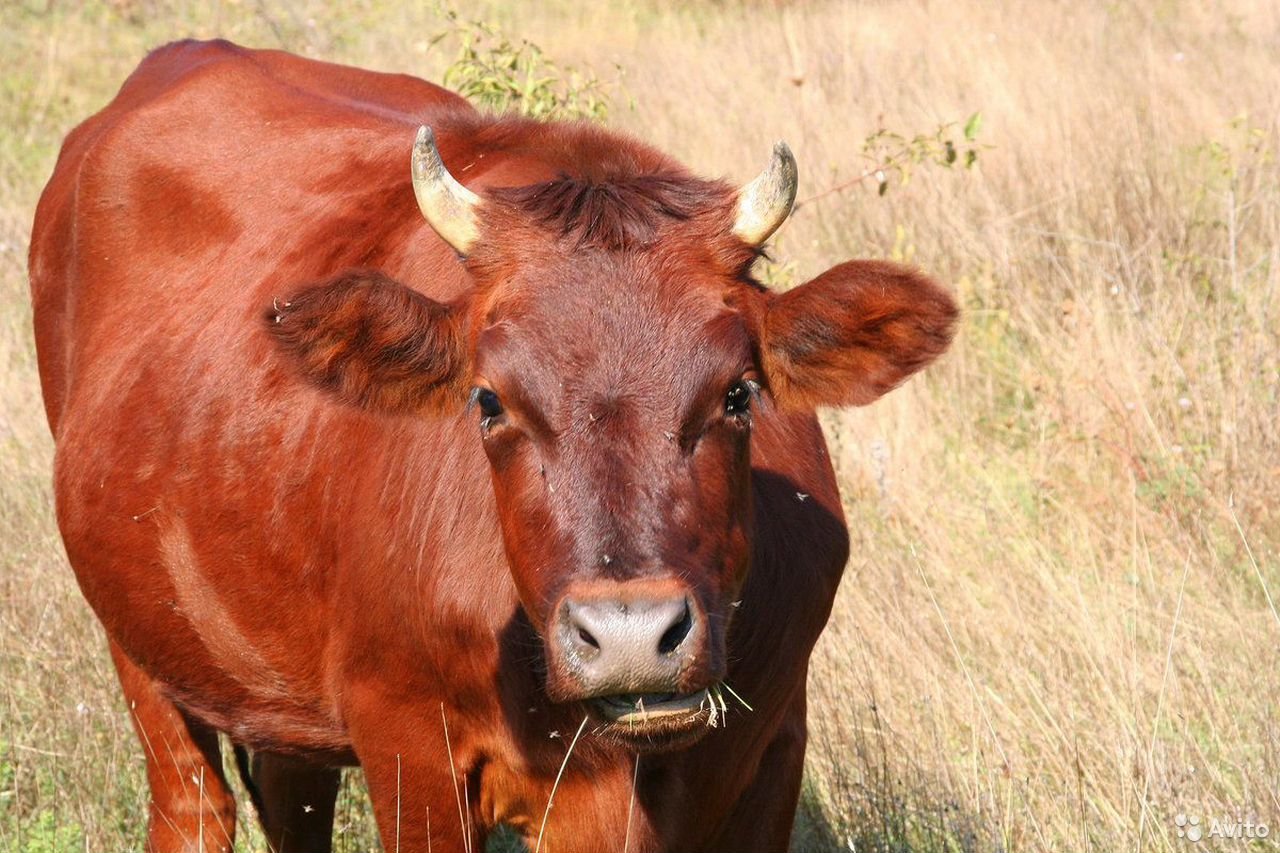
{"x":1057,"y":630}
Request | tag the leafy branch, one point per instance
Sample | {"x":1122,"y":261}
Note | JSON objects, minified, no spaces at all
{"x":502,"y":75}
{"x":895,"y":155}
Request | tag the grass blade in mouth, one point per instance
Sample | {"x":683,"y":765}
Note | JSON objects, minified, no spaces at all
{"x":639,"y":707}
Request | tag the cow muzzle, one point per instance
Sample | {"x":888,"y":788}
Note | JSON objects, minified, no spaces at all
{"x":642,"y":646}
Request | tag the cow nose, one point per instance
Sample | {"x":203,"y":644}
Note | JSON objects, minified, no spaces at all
{"x":629,"y":643}
{"x":639,"y":626}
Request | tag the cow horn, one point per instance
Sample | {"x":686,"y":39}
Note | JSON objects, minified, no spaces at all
{"x":449,"y":207}
{"x":765,"y":203}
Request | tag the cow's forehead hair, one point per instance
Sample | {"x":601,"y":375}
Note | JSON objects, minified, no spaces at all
{"x":613,"y":321}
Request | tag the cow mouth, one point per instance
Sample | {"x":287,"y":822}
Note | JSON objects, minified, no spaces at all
{"x":646,"y":708}
{"x":656,"y":722}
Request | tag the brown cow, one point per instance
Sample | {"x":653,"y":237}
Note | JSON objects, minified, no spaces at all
{"x":504,"y":462}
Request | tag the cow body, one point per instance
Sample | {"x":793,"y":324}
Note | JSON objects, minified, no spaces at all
{"x":325,"y":583}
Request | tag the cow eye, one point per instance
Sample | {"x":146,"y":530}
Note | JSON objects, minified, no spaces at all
{"x":738,"y":400}
{"x":490,"y":405}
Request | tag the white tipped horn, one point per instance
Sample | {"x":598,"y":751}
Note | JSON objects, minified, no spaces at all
{"x":765,"y":203}
{"x":449,"y":207}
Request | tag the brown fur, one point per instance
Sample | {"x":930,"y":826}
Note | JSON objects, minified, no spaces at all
{"x":854,"y":333}
{"x":373,"y":342}
{"x":619,"y":213}
{"x":298,"y":533}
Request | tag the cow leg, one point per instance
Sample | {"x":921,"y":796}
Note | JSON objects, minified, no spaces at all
{"x":415,"y":795}
{"x":192,"y":808}
{"x":297,"y":802}
{"x":418,"y":784}
{"x":761,"y":820}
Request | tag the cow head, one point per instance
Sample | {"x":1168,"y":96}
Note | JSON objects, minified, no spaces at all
{"x":614,"y":353}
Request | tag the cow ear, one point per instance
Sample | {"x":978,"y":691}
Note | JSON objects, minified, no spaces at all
{"x":375,"y":343}
{"x":853,"y":333}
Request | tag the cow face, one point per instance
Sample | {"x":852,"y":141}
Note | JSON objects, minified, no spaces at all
{"x":614,"y":396}
{"x":615,"y":354}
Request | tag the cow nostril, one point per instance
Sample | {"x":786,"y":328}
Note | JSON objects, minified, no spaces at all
{"x":675,"y":635}
{"x":585,"y":636}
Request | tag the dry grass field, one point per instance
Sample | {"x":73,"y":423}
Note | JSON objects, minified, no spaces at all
{"x":1059,"y":627}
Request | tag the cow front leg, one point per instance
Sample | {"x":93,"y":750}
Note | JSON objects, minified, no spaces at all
{"x":297,"y":802}
{"x":192,"y":808}
{"x":423,"y":800}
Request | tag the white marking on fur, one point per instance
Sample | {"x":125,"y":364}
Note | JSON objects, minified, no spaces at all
{"x":210,"y":618}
